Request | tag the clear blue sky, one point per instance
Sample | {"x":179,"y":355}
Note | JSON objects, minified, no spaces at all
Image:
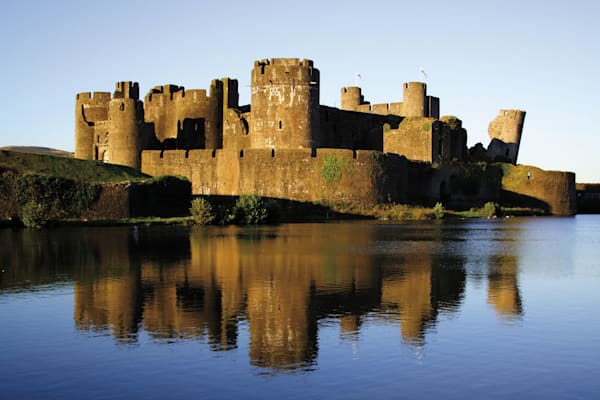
{"x":480,"y":56}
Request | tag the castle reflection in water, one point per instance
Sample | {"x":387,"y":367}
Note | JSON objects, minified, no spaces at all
{"x":202,"y":283}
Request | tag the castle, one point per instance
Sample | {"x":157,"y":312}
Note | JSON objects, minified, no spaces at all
{"x":286,"y":145}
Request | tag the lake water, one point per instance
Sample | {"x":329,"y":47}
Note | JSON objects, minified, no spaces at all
{"x":460,"y":309}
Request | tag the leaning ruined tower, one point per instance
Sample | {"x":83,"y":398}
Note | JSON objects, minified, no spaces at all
{"x":285,"y":104}
{"x":507,"y":129}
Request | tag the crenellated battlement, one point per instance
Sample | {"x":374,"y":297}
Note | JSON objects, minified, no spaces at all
{"x":285,"y":71}
{"x":95,"y":98}
{"x":160,"y":95}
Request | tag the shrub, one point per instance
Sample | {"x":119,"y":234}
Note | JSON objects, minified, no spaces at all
{"x":34,"y":214}
{"x":490,"y":210}
{"x":438,"y":211}
{"x":250,"y":209}
{"x":333,"y":168}
{"x":202,"y":211}
{"x":60,"y":197}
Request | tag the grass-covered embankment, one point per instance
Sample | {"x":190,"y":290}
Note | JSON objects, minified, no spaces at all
{"x":36,"y":188}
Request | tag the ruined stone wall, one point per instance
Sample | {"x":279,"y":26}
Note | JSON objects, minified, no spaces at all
{"x":90,"y":109}
{"x":527,"y":186}
{"x":456,"y":185}
{"x":452,"y":139}
{"x":361,"y":177}
{"x":353,"y":130}
{"x":189,"y":118}
{"x":236,"y":129}
{"x":285,"y":104}
{"x":415,"y":138}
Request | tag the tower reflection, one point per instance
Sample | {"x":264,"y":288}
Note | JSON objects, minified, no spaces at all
{"x":503,"y":288}
{"x":200,"y":283}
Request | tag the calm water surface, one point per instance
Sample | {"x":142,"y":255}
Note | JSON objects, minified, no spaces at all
{"x":476,"y":309}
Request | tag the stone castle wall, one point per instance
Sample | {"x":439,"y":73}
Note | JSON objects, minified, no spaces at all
{"x":190,"y":117}
{"x":328,"y":175}
{"x":416,"y":102}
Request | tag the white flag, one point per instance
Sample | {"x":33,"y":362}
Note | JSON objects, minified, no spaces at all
{"x":423,"y":73}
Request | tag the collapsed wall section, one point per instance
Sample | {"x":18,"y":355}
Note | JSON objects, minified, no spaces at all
{"x":187,"y":119}
{"x":353,"y":130}
{"x":415,"y":138}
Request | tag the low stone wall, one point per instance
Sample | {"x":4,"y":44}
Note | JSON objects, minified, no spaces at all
{"x":323,"y":175}
{"x":588,"y":198}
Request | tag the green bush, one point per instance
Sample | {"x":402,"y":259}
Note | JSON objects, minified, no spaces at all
{"x":250,"y":209}
{"x":34,"y":214}
{"x":202,"y":211}
{"x":334,"y":167}
{"x":490,"y":210}
{"x":438,"y":211}
{"x":60,"y":197}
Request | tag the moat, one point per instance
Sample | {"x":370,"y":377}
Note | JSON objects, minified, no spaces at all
{"x":454,"y":309}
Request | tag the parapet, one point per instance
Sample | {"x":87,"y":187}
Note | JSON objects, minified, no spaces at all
{"x":96,"y":98}
{"x":284,"y":71}
{"x":284,"y":62}
{"x":416,"y":85}
{"x":166,"y":93}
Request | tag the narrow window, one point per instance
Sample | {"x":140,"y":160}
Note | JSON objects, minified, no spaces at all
{"x":280,"y":125}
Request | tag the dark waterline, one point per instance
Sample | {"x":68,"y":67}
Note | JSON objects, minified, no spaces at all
{"x":462,"y":309}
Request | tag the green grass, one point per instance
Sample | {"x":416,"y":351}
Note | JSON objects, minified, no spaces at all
{"x":66,"y":167}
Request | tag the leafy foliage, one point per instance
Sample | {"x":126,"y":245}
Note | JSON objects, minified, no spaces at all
{"x":438,"y":211}
{"x":490,"y":210}
{"x":34,"y":214}
{"x":202,"y":211}
{"x":250,"y":209}
{"x":333,"y":168}
{"x":52,"y":197}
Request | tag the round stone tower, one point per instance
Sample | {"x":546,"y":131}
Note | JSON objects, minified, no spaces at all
{"x":415,"y":99}
{"x":506,"y":129}
{"x":284,"y":104}
{"x":89,"y":110}
{"x":125,"y":117}
{"x":351,"y":98}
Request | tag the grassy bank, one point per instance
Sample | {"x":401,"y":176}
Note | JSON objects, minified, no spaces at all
{"x":66,"y":167}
